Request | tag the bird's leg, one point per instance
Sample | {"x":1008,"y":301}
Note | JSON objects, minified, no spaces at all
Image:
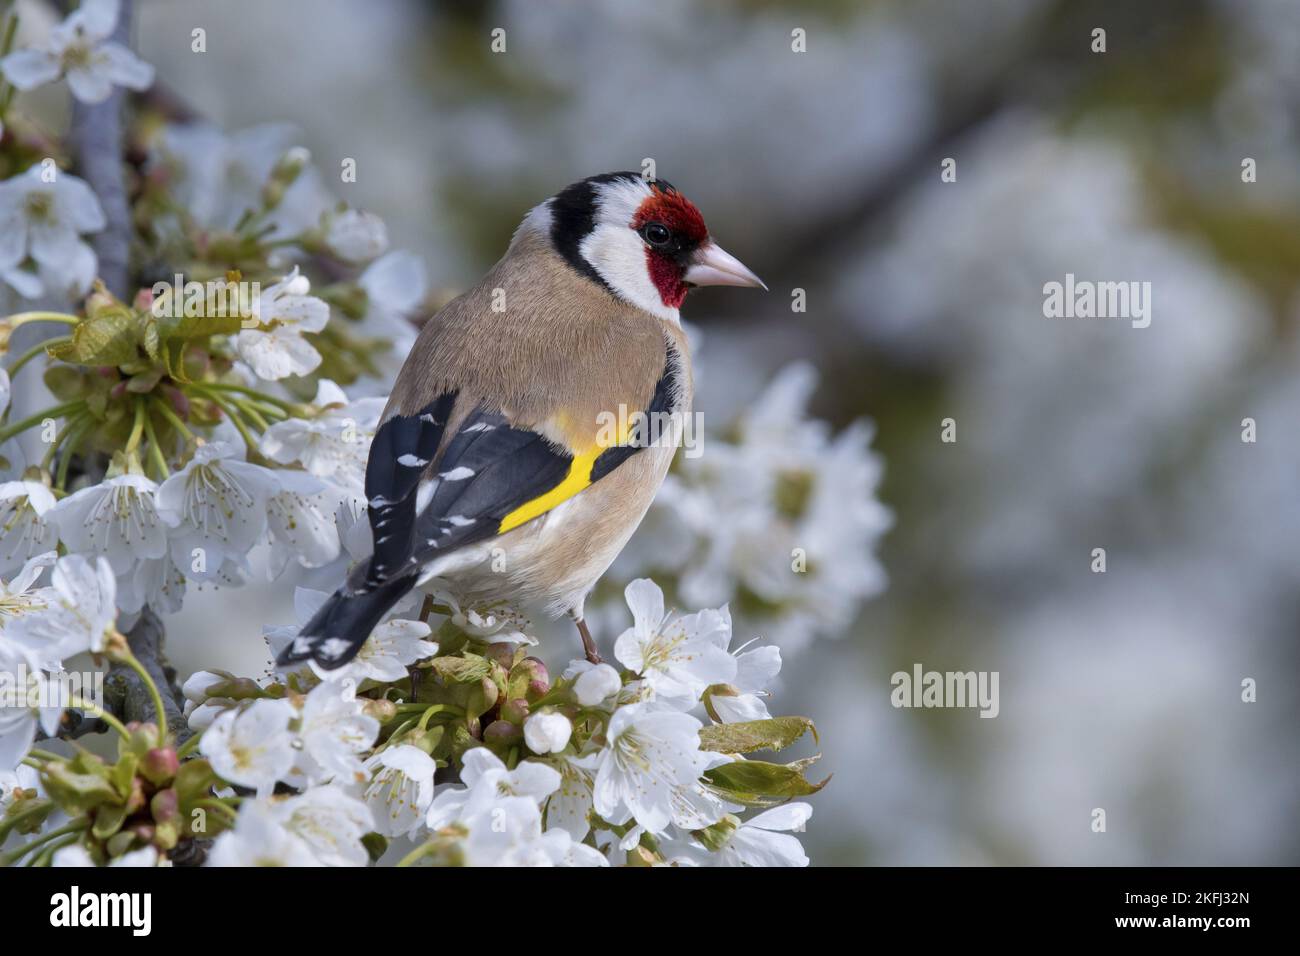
{"x":588,"y":644}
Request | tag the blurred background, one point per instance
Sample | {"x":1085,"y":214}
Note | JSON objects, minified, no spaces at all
{"x":924,"y":301}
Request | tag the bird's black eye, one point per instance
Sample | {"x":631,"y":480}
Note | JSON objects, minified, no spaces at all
{"x":657,"y":234}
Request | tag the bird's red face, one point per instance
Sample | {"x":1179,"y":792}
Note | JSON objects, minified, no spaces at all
{"x":673,"y":230}
{"x":642,"y":240}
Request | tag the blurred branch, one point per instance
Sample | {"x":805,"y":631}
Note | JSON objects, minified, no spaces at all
{"x":97,"y":143}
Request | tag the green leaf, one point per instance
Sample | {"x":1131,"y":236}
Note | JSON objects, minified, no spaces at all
{"x":198,"y":326}
{"x":111,"y":338}
{"x":108,"y":820}
{"x":193,"y":781}
{"x":758,"y":783}
{"x":77,"y":792}
{"x":776,"y":733}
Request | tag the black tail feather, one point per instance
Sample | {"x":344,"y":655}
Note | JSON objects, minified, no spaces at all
{"x":341,"y":627}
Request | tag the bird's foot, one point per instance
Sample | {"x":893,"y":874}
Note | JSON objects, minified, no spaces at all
{"x":588,"y":644}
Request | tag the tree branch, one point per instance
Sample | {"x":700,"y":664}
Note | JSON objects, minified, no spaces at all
{"x":125,"y":692}
{"x":96,"y":138}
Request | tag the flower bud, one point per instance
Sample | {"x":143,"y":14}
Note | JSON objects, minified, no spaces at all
{"x":382,"y":710}
{"x":198,"y":684}
{"x":356,"y":236}
{"x":531,"y":673}
{"x":287,"y":169}
{"x":120,"y":842}
{"x":160,"y":765}
{"x":165,"y":805}
{"x":547,"y":733}
{"x":595,"y":685}
{"x":503,"y":654}
{"x":515,"y":711}
{"x":501,"y":733}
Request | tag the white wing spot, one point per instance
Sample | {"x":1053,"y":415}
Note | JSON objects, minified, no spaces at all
{"x":411,"y":461}
{"x":458,"y":474}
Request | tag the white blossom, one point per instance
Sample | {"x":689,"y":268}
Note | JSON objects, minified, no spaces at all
{"x":676,"y":656}
{"x":252,"y":746}
{"x":486,"y":778}
{"x":333,"y":446}
{"x":215,"y":508}
{"x":275,"y":347}
{"x":759,"y":841}
{"x":650,"y":770}
{"x":117,"y":518}
{"x":330,"y":822}
{"x":595,"y":683}
{"x":260,"y":838}
{"x":156,"y":582}
{"x":80,"y":611}
{"x":300,"y":518}
{"x":400,"y":788}
{"x":756,"y":670}
{"x":499,"y":814}
{"x":495,"y":623}
{"x":333,"y":731}
{"x":77,"y":855}
{"x":43,"y":213}
{"x":569,"y":807}
{"x":547,"y":732}
{"x":18,"y":720}
{"x":19,"y":595}
{"x":25,"y":527}
{"x":79,"y":48}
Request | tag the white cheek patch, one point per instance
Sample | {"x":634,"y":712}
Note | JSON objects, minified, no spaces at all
{"x":617,"y":252}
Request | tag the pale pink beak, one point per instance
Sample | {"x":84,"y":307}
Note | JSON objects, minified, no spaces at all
{"x":713,"y":265}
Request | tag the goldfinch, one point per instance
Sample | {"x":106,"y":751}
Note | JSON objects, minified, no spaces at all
{"x":495,"y":466}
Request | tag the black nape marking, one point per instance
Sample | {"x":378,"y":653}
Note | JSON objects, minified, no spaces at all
{"x":573,"y":217}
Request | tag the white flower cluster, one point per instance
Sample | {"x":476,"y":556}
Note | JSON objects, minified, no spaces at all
{"x":563,"y":803}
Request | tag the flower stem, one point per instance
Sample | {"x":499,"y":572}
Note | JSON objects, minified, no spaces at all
{"x":17,"y":853}
{"x":137,"y":426}
{"x":249,"y":442}
{"x":31,"y":421}
{"x":231,"y":813}
{"x":189,"y":746}
{"x":160,"y":715}
{"x":77,"y":421}
{"x":22,"y":318}
{"x":251,"y":392}
{"x":74,"y":440}
{"x":424,"y":849}
{"x":155,"y":451}
{"x":172,"y":417}
{"x":34,"y":351}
